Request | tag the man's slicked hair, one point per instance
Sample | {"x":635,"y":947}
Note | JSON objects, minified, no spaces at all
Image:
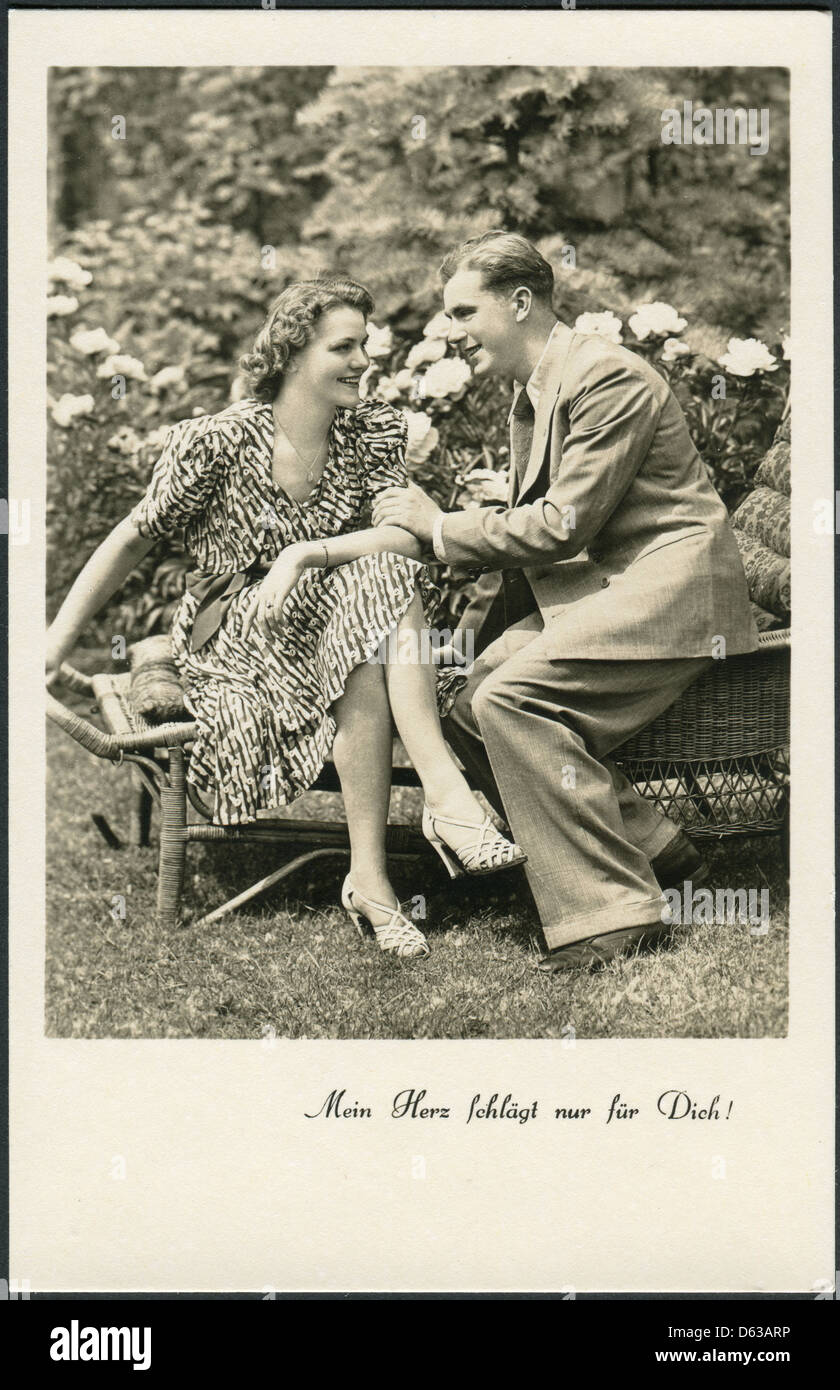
{"x":506,"y":260}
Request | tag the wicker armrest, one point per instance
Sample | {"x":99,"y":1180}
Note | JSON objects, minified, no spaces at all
{"x":121,"y":737}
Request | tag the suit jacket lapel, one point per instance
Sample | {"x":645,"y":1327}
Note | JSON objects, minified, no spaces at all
{"x":549,"y":389}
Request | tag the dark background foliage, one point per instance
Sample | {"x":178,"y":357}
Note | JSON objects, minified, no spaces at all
{"x":232,"y":181}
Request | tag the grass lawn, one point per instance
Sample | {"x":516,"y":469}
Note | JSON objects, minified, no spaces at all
{"x":294,"y":964}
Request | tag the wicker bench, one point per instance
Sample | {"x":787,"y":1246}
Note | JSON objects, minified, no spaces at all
{"x":716,"y":763}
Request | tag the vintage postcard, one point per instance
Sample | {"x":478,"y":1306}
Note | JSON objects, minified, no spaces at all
{"x":421,"y":528}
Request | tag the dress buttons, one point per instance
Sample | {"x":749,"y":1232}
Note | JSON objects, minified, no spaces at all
{"x":605,"y":583}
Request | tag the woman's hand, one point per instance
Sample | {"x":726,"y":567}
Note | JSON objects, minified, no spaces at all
{"x":267,"y":597}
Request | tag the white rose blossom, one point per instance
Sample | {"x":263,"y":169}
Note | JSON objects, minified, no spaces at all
{"x":60,"y":304}
{"x":485,"y":485}
{"x":423,"y":438}
{"x":170,"y":376}
{"x":448,"y":377}
{"x":786,"y":347}
{"x":387,"y":388}
{"x":126,"y":441}
{"x":379,"y":341}
{"x":122,"y":365}
{"x":91,"y":340}
{"x":660,"y":319}
{"x":745,"y":356}
{"x":68,"y":408}
{"x":428,"y":350}
{"x":68,"y":273}
{"x":605,"y":325}
{"x":674,"y":348}
{"x":438,"y":327}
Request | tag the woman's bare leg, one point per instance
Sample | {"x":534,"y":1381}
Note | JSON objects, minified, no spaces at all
{"x":411,"y":692}
{"x":362,"y":753}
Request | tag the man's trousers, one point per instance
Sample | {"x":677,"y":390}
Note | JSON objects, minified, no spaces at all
{"x":534,"y":731}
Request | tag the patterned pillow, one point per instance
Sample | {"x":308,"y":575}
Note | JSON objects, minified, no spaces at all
{"x":762,"y":530}
{"x":774,"y":469}
{"x":156,"y":690}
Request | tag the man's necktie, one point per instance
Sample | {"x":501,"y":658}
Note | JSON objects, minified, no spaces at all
{"x":521,"y":434}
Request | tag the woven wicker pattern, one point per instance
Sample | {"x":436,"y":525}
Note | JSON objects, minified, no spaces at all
{"x":721,"y":796}
{"x":740,"y":707}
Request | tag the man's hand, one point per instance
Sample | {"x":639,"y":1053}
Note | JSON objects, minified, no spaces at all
{"x":409,"y":507}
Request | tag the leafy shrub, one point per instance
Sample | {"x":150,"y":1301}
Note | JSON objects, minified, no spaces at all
{"x":137,"y":342}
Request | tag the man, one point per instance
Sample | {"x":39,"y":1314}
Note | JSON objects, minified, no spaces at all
{"x":612,"y":580}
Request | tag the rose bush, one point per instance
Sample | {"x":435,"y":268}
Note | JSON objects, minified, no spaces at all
{"x":137,"y":352}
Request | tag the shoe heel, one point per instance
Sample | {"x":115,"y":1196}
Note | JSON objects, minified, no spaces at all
{"x":356,"y":919}
{"x":453,"y":865}
{"x":347,"y":903}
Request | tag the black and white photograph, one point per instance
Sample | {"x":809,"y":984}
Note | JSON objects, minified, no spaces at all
{"x":415,"y":523}
{"x":424,"y":453}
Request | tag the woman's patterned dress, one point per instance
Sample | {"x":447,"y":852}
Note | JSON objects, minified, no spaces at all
{"x":262,"y":704}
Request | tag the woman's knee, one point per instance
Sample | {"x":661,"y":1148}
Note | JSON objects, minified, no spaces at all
{"x":363,"y":685}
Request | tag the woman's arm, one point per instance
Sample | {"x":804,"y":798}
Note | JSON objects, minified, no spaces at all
{"x":108,"y":567}
{"x":271,"y":593}
{"x":339,"y":550}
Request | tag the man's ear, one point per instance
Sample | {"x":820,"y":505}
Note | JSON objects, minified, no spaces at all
{"x":522,"y":300}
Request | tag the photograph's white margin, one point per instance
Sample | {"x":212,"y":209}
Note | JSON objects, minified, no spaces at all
{"x":228,"y":1187}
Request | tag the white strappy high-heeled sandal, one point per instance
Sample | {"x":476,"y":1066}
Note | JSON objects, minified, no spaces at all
{"x":487,"y":854}
{"x":399,"y":936}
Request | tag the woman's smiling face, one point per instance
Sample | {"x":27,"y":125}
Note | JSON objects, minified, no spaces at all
{"x":333,"y":361}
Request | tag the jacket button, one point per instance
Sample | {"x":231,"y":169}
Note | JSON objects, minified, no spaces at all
{"x":605,"y":583}
{"x":595,"y":556}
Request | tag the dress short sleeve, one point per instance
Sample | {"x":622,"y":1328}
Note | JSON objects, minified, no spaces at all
{"x":382,"y":434}
{"x":182,"y":481}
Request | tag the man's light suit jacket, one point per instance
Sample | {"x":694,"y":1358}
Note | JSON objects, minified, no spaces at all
{"x":624,"y":542}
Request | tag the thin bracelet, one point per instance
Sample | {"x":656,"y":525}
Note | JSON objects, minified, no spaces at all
{"x":326,"y":556}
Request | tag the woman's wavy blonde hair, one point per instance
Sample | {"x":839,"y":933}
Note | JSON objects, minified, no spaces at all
{"x":290,"y":324}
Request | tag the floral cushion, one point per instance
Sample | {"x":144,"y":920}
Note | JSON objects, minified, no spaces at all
{"x":768,"y":575}
{"x":156,"y":690}
{"x":765,"y":515}
{"x":762,"y":530}
{"x":774,"y":469}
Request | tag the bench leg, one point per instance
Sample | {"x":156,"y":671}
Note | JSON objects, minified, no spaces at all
{"x":264,"y":884}
{"x":173,"y":841}
{"x":141,"y":811}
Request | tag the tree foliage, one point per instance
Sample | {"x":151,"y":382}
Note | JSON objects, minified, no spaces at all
{"x":230,"y":182}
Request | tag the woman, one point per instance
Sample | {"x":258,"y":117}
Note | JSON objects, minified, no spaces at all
{"x":278,"y":633}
